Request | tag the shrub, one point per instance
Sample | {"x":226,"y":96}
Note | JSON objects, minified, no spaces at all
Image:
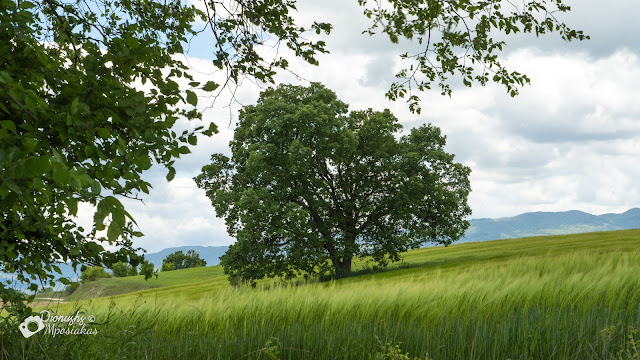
{"x":94,"y":273}
{"x":148,"y":270}
{"x":181,"y":260}
{"x":168,"y":266}
{"x":133,"y":271}
{"x":121,"y":269}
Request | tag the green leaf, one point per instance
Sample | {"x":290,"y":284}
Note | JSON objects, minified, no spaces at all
{"x":210,"y":86}
{"x":73,"y":206}
{"x":96,"y":187}
{"x":192,"y":98}
{"x":31,"y":101}
{"x":171,"y":174}
{"x":26,"y":5}
{"x":103,"y":133}
{"x":113,"y":232}
{"x":38,"y":165}
{"x":60,"y":175}
{"x":213,"y":129}
{"x":75,"y":104}
{"x":101,"y":213}
{"x":56,"y":268}
{"x":29,"y":144}
{"x":4,"y":108}
{"x":12,"y":186}
{"x":118,"y":217}
{"x":192,"y":139}
{"x":9,"y":125}
{"x":38,"y":184}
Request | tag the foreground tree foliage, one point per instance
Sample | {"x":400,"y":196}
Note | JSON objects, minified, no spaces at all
{"x":75,"y":128}
{"x":309,"y":182}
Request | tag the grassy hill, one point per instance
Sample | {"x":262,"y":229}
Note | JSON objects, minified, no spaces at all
{"x":114,"y":286}
{"x":556,"y":297}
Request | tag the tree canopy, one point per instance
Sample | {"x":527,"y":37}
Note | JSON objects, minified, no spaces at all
{"x":94,"y":273}
{"x":310,"y":182}
{"x":122,"y":269}
{"x":148,"y":270}
{"x":90,"y":92}
{"x":180,"y":260}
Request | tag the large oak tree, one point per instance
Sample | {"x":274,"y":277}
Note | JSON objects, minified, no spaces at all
{"x":310,"y":183}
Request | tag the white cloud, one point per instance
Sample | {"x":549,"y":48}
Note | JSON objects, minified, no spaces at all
{"x":176,"y":214}
{"x":570,"y":141}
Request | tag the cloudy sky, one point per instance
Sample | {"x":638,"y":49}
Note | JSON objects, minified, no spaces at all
{"x":570,"y":140}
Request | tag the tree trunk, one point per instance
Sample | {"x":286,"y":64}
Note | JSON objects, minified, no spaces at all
{"x":342,"y":267}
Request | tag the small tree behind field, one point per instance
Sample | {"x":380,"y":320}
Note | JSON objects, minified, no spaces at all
{"x":168,"y":266}
{"x":121,"y":269}
{"x":148,"y":270}
{"x":180,"y":260}
{"x":94,"y":273}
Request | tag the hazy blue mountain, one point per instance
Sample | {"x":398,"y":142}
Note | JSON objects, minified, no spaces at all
{"x":549,"y":223}
{"x":627,"y":220}
{"x":211,"y":254}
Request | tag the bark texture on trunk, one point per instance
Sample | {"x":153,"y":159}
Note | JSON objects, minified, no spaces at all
{"x":342,"y":267}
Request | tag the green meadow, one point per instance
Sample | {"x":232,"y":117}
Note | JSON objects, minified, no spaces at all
{"x":554,"y":297}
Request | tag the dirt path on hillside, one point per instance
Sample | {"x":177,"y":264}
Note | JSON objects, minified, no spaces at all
{"x":58,"y":300}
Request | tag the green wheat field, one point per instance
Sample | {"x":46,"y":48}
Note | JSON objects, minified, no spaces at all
{"x":555,"y":297}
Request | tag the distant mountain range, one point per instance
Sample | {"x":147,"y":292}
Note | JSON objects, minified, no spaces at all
{"x":549,"y":223}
